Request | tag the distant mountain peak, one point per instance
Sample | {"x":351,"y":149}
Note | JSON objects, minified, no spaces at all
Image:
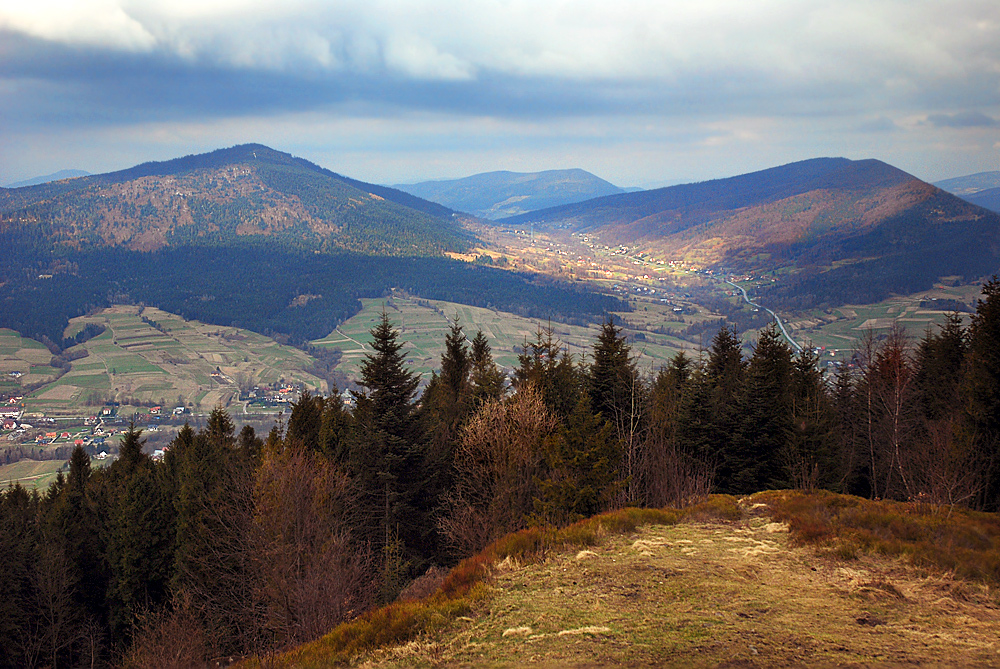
{"x":55,"y":176}
{"x":494,"y":195}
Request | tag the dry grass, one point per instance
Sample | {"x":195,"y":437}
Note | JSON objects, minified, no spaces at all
{"x":958,"y":541}
{"x":728,"y":582}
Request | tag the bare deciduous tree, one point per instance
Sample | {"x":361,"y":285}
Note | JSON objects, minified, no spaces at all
{"x":497,"y":463}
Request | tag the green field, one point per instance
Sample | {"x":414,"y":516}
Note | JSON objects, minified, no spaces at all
{"x":37,"y":474}
{"x":423,"y":325}
{"x":22,"y":361}
{"x":132,"y":362}
{"x":839,"y":329}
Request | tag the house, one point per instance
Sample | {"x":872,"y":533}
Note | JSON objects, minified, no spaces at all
{"x":65,"y":435}
{"x":9,"y":423}
{"x":155,"y":410}
{"x":10,"y":412}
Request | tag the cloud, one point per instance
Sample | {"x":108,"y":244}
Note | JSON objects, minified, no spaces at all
{"x":968,"y":119}
{"x":103,"y":23}
{"x":723,"y":73}
{"x":880,"y":124}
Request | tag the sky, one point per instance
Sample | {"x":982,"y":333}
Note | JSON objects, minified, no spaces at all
{"x":640,"y":92}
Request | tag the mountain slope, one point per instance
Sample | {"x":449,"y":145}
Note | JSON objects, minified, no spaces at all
{"x":848,"y":227}
{"x":494,"y":195}
{"x":970,"y":183}
{"x":988,"y":199}
{"x":779,"y":578}
{"x":248,"y":191}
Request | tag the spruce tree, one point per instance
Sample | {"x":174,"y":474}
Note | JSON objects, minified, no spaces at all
{"x":486,"y":378}
{"x":582,"y":464}
{"x":545,"y":364}
{"x":765,"y":415}
{"x":138,"y":537}
{"x":616,"y":394}
{"x":306,"y":421}
{"x":719,"y":420}
{"x":981,"y":392}
{"x":385,"y":449}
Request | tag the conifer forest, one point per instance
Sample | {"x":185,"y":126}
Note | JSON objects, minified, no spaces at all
{"x":238,"y":543}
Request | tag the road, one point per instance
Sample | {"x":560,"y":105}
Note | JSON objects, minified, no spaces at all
{"x":781,"y":325}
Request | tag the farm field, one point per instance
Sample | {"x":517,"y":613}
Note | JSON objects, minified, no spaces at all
{"x":423,"y":325}
{"x":147,"y":356}
{"x":838,"y":329}
{"x":22,"y":361}
{"x":31,"y":474}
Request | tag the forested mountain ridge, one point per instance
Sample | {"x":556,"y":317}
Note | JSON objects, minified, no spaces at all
{"x":244,"y":235}
{"x":838,"y":224}
{"x":244,"y":191}
{"x":494,"y":195}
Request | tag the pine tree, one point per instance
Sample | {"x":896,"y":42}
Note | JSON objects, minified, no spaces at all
{"x":386,"y":446}
{"x":616,"y":394}
{"x":981,"y":392}
{"x":486,"y":378}
{"x":765,"y":415}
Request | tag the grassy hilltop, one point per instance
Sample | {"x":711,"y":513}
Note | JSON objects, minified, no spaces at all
{"x":777,"y":578}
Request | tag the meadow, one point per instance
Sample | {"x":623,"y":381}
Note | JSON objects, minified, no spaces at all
{"x":147,"y":356}
{"x":423,"y":325}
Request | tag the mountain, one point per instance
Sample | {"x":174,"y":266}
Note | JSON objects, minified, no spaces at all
{"x":851,"y":229}
{"x":248,"y":192}
{"x":982,"y":189}
{"x":55,"y":176}
{"x":247,"y":237}
{"x":988,"y":199}
{"x":494,"y":195}
{"x":970,"y":183}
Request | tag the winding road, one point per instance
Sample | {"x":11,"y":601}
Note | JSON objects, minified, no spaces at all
{"x":781,"y":325}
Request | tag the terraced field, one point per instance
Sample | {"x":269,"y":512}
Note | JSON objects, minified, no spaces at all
{"x":423,"y":325}
{"x":838,"y":329}
{"x":150,"y":356}
{"x":22,"y":361}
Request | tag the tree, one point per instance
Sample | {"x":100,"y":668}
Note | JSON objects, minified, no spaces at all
{"x":498,"y":463}
{"x":138,"y":535}
{"x":581,"y":469}
{"x":765,"y":415}
{"x":386,"y":445}
{"x":544,"y":364}
{"x":981,"y":392}
{"x":674,"y":471}
{"x":486,"y":378}
{"x":809,"y":456}
{"x":309,"y":572}
{"x":616,"y":394}
{"x":306,"y":420}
